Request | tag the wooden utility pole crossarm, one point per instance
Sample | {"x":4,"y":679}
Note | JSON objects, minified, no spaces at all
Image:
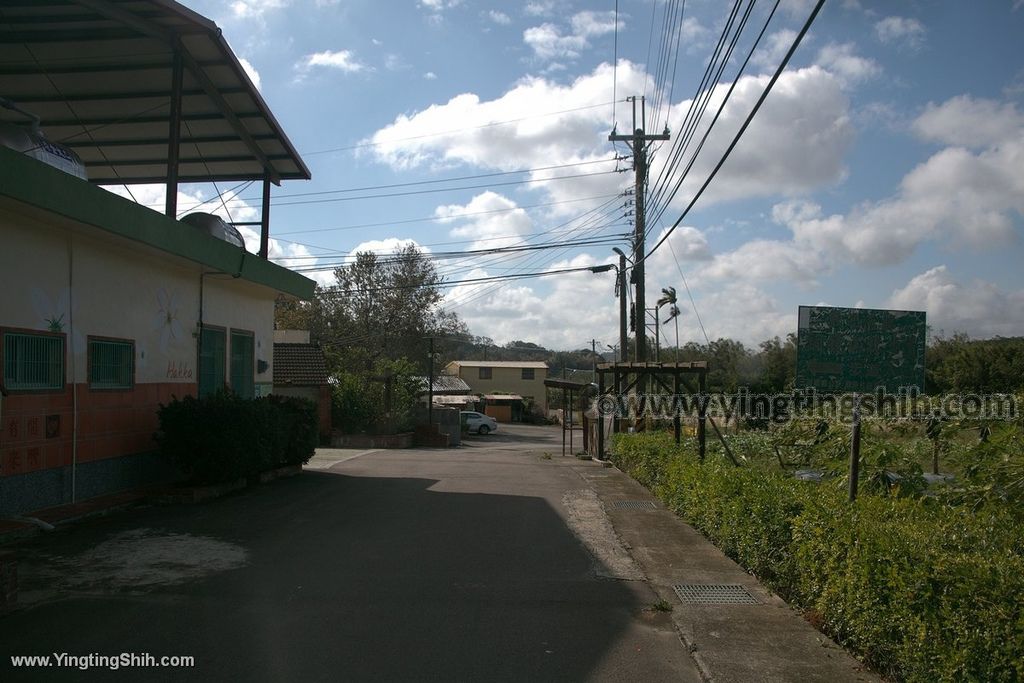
{"x":638,"y":143}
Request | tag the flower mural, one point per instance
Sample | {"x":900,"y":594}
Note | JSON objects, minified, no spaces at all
{"x":166,"y":322}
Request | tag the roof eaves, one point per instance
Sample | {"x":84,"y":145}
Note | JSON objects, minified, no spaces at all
{"x":34,"y":183}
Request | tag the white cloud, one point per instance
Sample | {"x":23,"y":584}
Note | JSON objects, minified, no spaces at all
{"x":430,"y":76}
{"x":795,"y":144}
{"x":739,"y":311}
{"x":905,"y":31}
{"x":842,"y":61}
{"x":439,"y":5}
{"x":387,"y":246}
{"x":770,"y":52}
{"x":342,"y":60}
{"x":281,"y":252}
{"x":540,"y":8}
{"x":693,"y":33}
{"x":980,"y":308}
{"x":549,"y":42}
{"x":955,"y":198}
{"x":508,"y":310}
{"x":767,"y":260}
{"x":250,"y":71}
{"x":970,"y":122}
{"x":254,"y":9}
{"x":592,"y":24}
{"x":490,"y":219}
{"x":499,"y":17}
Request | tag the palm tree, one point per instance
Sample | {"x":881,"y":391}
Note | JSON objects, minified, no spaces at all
{"x":673,"y":314}
{"x":668,"y":297}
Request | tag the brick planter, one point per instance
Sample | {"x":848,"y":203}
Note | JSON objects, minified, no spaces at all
{"x":368,"y":441}
{"x":280,"y":473}
{"x":8,"y":580}
{"x":199,"y":494}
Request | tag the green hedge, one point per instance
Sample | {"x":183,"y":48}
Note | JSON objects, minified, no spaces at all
{"x":922,"y":591}
{"x":222,"y":437}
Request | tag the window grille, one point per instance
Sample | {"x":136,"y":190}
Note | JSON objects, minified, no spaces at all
{"x":111,"y":364}
{"x":33,"y":361}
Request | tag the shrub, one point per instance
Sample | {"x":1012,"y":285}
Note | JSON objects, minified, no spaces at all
{"x":222,"y":437}
{"x":923,"y":591}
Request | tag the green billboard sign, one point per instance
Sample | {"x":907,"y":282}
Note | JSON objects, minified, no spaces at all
{"x":859,"y":349}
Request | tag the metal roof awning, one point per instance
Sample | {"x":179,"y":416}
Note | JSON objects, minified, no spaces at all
{"x":454,"y":400}
{"x":111,"y":78}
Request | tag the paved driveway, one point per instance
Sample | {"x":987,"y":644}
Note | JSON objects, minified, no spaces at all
{"x":488,"y":562}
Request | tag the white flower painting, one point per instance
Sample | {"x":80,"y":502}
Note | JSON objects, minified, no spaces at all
{"x":166,"y":322}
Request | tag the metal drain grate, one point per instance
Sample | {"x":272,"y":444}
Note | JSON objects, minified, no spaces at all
{"x":714,"y":594}
{"x":634,"y":505}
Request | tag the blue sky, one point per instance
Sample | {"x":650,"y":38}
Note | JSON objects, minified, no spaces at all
{"x":886,"y":169}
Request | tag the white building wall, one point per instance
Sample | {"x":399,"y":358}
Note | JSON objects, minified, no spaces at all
{"x":110,"y":290}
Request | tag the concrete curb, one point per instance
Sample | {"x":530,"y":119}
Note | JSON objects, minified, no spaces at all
{"x":728,"y":643}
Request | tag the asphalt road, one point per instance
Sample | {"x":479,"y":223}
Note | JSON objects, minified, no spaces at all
{"x":480,"y":563}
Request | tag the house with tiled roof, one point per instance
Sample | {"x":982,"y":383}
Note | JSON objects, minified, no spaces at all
{"x":505,"y":382}
{"x":300,"y":370}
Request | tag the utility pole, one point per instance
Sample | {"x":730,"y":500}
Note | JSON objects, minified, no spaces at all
{"x":430,"y":386}
{"x":593,"y":351}
{"x":638,"y":144}
{"x":623,"y":341}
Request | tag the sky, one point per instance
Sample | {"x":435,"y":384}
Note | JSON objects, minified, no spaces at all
{"x":885,"y":168}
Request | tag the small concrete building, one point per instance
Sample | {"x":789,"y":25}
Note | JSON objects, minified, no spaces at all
{"x":111,"y":308}
{"x":300,"y":370}
{"x":523,"y":379}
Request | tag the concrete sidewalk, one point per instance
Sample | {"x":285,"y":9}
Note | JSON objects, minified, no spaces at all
{"x":767,"y":641}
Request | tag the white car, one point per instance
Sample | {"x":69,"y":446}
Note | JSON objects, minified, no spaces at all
{"x":478,"y":422}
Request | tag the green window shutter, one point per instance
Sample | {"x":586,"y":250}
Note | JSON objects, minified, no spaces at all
{"x":242,"y":379}
{"x":212,"y":347}
{"x":111,"y":364}
{"x":33,"y":361}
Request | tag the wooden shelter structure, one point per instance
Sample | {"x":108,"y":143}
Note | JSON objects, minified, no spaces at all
{"x":619,"y":379}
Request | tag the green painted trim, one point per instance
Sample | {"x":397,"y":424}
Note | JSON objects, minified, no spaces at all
{"x":33,"y":182}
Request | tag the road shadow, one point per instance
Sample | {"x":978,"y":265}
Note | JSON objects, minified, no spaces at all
{"x":345,"y":578}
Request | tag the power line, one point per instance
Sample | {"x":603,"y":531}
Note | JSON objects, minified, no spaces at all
{"x":444,"y":189}
{"x":686,"y":286}
{"x":522,"y":237}
{"x":693,"y":158}
{"x":700,"y":101}
{"x":350,"y":259}
{"x":438,"y":219}
{"x":455,"y":283}
{"x":746,"y":124}
{"x":442,"y":180}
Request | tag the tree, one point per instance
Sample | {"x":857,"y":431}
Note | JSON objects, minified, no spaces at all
{"x":381,"y":308}
{"x":777,"y":361}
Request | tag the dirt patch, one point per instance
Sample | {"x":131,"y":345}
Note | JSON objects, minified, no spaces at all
{"x":135,"y":561}
{"x":589,"y":521}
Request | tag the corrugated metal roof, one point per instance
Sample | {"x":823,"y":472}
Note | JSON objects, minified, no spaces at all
{"x":454,"y":400}
{"x":446,"y":384}
{"x":500,"y":363}
{"x":99,"y":74}
{"x":300,"y":365}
